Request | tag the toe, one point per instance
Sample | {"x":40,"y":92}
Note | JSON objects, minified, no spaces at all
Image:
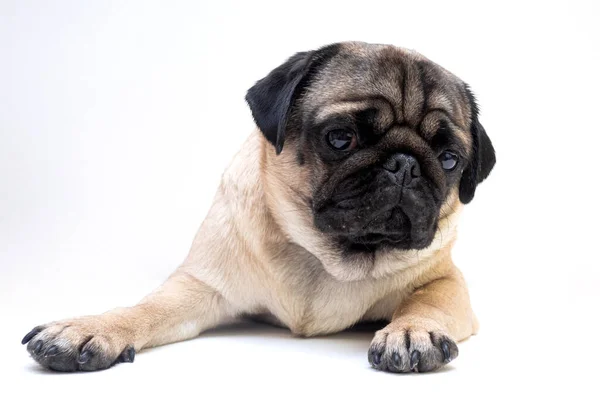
{"x":446,"y":350}
{"x":415,"y":357}
{"x":52,"y":351}
{"x":128,"y":355}
{"x":375,"y":357}
{"x":37,"y":346}
{"x":85,"y":357}
{"x":395,"y":362}
{"x":63,"y":361}
{"x":450,"y":349}
{"x":95,"y":355}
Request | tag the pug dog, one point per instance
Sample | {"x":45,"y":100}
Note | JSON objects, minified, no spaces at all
{"x":340,"y":208}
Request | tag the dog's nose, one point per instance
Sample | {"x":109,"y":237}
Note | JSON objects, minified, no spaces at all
{"x":404,"y":167}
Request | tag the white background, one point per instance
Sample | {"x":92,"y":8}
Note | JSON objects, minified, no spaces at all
{"x":117,"y":119}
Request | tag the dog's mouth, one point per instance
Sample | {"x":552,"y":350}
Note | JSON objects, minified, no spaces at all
{"x":367,"y":212}
{"x":390,"y":228}
{"x":386,"y":219}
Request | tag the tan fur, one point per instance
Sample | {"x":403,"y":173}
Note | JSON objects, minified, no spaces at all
{"x":242,"y":262}
{"x":258,"y":253}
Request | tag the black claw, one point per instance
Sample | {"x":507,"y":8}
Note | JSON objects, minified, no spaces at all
{"x":31,"y":334}
{"x":397,"y":360}
{"x":414,"y":359}
{"x":52,"y":351}
{"x":375,"y":357}
{"x":446,"y":350}
{"x":84,"y":357}
{"x":37,"y":347}
{"x":128,"y":355}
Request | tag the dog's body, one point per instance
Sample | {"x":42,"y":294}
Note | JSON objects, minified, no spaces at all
{"x":317,"y":238}
{"x":292,"y":287}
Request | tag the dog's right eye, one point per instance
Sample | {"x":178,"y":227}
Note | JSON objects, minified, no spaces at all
{"x":341,"y":139}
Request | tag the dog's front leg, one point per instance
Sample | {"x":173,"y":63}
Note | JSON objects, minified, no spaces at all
{"x":179,"y":309}
{"x":424,"y":330}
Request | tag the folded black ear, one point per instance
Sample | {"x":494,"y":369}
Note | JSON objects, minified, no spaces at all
{"x":272,"y":97}
{"x":483,"y":156}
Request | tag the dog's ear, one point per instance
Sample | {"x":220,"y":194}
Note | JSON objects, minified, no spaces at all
{"x":271,"y":98}
{"x":483,"y":156}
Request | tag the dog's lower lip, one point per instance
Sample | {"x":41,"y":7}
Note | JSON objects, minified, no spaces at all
{"x":377,"y":237}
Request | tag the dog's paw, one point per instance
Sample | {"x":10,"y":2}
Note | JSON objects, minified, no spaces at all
{"x":82,"y":344}
{"x":411,"y":346}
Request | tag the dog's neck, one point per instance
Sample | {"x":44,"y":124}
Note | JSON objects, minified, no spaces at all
{"x":266,"y":215}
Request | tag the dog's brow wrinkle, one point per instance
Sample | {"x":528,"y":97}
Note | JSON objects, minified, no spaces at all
{"x":403,"y":100}
{"x":446,"y":114}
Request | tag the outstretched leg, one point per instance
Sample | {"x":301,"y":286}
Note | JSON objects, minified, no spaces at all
{"x":179,"y":309}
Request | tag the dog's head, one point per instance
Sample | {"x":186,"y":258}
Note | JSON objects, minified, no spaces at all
{"x":374,"y":148}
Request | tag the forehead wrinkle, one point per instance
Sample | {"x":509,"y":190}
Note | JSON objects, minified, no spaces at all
{"x":442,"y":90}
{"x":383,"y":118}
{"x":431,"y":123}
{"x":411,"y":85}
{"x":388,"y":82}
{"x":438,"y":99}
{"x":335,"y":109}
{"x":414,"y":95}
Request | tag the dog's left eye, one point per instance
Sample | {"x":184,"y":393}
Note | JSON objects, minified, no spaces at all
{"x":341,"y":139}
{"x":448,"y":160}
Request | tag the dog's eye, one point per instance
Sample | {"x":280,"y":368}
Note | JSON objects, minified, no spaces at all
{"x":448,"y":160}
{"x":341,"y":139}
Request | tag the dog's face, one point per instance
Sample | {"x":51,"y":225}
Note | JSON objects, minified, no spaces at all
{"x":381,"y":145}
